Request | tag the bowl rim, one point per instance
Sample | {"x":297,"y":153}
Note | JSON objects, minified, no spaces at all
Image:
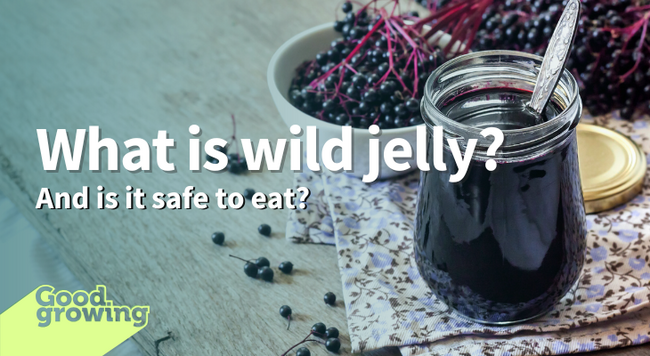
{"x":272,"y":69}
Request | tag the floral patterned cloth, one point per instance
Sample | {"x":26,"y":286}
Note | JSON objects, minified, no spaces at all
{"x":388,"y":303}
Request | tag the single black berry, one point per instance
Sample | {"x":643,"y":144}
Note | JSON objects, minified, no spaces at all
{"x":415,"y":120}
{"x":328,"y":105}
{"x":330,"y":298}
{"x":350,"y":17}
{"x":372,"y":79}
{"x":332,"y":332}
{"x":250,"y":269}
{"x":265,"y":273}
{"x":334,"y":55}
{"x":321,"y":58}
{"x":387,"y":87}
{"x":248,"y":193}
{"x":286,"y":267}
{"x":218,"y":238}
{"x":364,"y":123}
{"x":338,"y":44}
{"x":341,"y":119}
{"x":353,"y":93}
{"x":234,"y":168}
{"x":264,"y":229}
{"x":357,"y":32}
{"x":370,"y":96}
{"x":285,"y":311}
{"x":382,"y":68}
{"x":308,"y":93}
{"x":627,"y":112}
{"x":262,"y":262}
{"x":333,"y":344}
{"x":303,"y":351}
{"x":364,"y":107}
{"x":400,"y":110}
{"x":319,"y":329}
{"x":211,"y":159}
{"x":412,"y":105}
{"x":359,"y":80}
{"x":346,"y":7}
{"x":386,"y":107}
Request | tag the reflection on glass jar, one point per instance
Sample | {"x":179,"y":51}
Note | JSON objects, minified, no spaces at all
{"x":501,"y":246}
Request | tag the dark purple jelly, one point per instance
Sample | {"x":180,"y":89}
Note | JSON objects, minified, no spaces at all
{"x":506,"y":245}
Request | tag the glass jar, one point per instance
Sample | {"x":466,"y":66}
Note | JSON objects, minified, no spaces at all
{"x":501,"y":246}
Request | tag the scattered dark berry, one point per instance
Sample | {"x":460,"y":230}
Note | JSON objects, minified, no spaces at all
{"x":265,"y":273}
{"x":286,"y":267}
{"x":262,"y":262}
{"x":250,"y":269}
{"x":248,"y":193}
{"x":264,"y":229}
{"x":234,"y":168}
{"x":218,"y":238}
{"x":330,"y":298}
{"x":332,"y":332}
{"x":303,"y":351}
{"x":319,"y":329}
{"x":285,"y":311}
{"x":333,"y":344}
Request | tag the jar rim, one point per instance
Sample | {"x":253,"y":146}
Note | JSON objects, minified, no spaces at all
{"x":567,"y":82}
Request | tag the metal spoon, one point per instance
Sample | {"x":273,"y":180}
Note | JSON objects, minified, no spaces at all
{"x":556,"y":57}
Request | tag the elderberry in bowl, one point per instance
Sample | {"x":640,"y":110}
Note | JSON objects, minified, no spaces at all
{"x":502,"y":245}
{"x":281,"y":72}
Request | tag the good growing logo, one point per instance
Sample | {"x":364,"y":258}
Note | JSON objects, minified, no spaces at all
{"x":84,"y":306}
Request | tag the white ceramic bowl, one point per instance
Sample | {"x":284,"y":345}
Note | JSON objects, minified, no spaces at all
{"x":304,"y":46}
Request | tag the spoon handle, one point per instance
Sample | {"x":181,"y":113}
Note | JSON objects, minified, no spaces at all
{"x":556,"y":56}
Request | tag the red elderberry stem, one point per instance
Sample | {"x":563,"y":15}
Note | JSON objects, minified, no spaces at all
{"x":443,"y":22}
{"x":239,"y":258}
{"x":306,"y":339}
{"x":406,"y":36}
{"x":638,"y":50}
{"x":234,"y":135}
{"x":415,"y":63}
{"x":637,"y":8}
{"x":441,"y":15}
{"x":347,"y":59}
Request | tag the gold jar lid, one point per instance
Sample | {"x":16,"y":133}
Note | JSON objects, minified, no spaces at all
{"x":612,"y":167}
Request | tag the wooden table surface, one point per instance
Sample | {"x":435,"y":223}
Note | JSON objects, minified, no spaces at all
{"x":135,"y":67}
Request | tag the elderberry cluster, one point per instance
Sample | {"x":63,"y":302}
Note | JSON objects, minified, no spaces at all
{"x":261,"y":268}
{"x":331,"y":336}
{"x":381,"y":80}
{"x":610,"y":53}
{"x":236,"y":163}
